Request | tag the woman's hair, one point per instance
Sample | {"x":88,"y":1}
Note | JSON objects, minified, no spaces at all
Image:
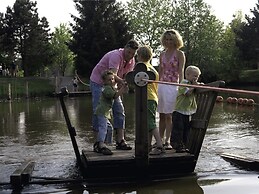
{"x":145,"y":52}
{"x":106,"y":73}
{"x":177,"y":38}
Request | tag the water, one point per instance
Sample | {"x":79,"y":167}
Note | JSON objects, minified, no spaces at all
{"x":36,"y":130}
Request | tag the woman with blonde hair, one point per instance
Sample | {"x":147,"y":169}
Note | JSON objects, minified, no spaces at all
{"x":171,"y":69}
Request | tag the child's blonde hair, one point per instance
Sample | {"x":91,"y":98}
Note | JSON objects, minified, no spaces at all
{"x":145,"y":52}
{"x":177,"y":38}
{"x":192,"y":68}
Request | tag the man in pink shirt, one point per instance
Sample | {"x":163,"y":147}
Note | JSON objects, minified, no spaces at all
{"x":120,"y":61}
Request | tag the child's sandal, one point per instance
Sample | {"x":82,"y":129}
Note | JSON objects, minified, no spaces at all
{"x":123,"y":145}
{"x":157,"y":151}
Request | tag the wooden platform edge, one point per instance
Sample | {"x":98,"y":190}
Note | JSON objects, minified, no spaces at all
{"x":22,"y":175}
{"x":241,"y":161}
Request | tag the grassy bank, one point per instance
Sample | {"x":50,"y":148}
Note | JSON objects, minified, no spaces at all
{"x":41,"y":87}
{"x":249,"y":76}
{"x":25,"y":87}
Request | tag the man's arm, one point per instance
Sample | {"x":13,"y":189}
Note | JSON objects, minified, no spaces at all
{"x":119,"y":80}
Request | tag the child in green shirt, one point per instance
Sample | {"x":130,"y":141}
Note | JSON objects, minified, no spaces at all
{"x":185,"y":107}
{"x":104,"y":108}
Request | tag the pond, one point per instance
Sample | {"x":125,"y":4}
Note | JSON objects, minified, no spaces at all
{"x":36,"y":130}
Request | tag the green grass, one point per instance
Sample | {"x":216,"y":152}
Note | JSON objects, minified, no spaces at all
{"x":37,"y":87}
{"x":249,"y":76}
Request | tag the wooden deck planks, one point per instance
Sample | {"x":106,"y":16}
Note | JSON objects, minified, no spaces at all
{"x":92,"y":156}
{"x":122,"y":166}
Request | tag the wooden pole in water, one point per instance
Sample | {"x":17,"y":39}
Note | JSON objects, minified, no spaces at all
{"x":27,"y":89}
{"x":56,"y":84}
{"x":227,"y":90}
{"x":9,"y":92}
{"x":72,"y":131}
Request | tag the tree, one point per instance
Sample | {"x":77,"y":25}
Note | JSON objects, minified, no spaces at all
{"x":2,"y":37}
{"x":27,"y":37}
{"x":63,"y":57}
{"x":200,"y":29}
{"x":7,"y":39}
{"x":230,"y":64}
{"x":149,"y":19}
{"x":100,"y":27}
{"x":201,"y":33}
{"x":248,"y":40}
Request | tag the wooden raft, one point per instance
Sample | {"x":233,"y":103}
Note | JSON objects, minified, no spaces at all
{"x":241,"y":161}
{"x":137,"y":165}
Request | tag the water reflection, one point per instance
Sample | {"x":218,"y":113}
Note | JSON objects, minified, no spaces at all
{"x":177,"y":186}
{"x":36,"y":130}
{"x":230,"y":184}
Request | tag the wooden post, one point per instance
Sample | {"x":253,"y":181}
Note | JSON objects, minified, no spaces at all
{"x":22,"y":175}
{"x":56,"y":85}
{"x":142,"y":134}
{"x":27,"y":89}
{"x":71,"y":129}
{"x":9,"y":92}
{"x":141,"y":142}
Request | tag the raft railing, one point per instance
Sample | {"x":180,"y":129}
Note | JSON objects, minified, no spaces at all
{"x":199,"y":123}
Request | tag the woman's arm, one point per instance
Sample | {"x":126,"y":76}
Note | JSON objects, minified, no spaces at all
{"x":182,"y":60}
{"x":160,"y":68}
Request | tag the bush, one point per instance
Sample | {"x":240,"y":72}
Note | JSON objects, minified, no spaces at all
{"x":249,"y":76}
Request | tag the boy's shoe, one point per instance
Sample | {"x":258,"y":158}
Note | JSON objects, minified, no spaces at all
{"x":157,"y":151}
{"x":103,"y":150}
{"x":123,"y":145}
{"x":174,"y":145}
{"x":154,"y":145}
{"x":167,"y":146}
{"x":96,"y":146}
{"x":180,"y":150}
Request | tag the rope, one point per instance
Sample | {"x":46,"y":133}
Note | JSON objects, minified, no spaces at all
{"x":81,"y":80}
{"x":206,"y":87}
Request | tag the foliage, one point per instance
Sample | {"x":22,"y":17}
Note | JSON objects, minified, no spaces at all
{"x":249,"y":76}
{"x":149,"y":19}
{"x":221,"y":52}
{"x":248,"y":42}
{"x":201,"y":31}
{"x":230,"y":65}
{"x":63,"y":58}
{"x":26,"y":37}
{"x":2,"y":36}
{"x":101,"y":26}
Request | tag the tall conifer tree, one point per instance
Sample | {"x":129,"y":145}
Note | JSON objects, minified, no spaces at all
{"x":27,"y":37}
{"x":248,"y":41}
{"x":100,"y":27}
